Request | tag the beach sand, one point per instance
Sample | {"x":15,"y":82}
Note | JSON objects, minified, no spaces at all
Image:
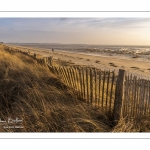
{"x":136,"y":66}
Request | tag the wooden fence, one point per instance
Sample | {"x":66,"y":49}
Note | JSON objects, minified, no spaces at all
{"x":136,"y":101}
{"x":93,"y":86}
{"x":119,"y":94}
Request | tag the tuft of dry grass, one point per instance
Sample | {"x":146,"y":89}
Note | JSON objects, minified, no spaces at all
{"x":97,"y":61}
{"x":135,"y":67}
{"x":112,"y":64}
{"x":132,"y":125}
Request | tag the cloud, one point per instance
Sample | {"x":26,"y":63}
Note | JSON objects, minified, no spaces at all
{"x":58,"y":23}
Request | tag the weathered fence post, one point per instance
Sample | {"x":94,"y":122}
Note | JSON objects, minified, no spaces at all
{"x":50,"y":60}
{"x":119,"y":95}
{"x":34,"y":55}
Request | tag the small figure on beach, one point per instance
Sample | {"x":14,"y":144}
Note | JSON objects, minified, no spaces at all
{"x":52,"y":50}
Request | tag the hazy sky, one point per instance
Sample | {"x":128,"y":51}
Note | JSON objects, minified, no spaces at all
{"x":120,"y":31}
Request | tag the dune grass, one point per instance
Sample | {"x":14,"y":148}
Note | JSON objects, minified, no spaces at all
{"x":45,"y":104}
{"x":31,"y":92}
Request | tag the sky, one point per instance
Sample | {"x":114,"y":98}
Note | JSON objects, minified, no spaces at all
{"x":103,"y":31}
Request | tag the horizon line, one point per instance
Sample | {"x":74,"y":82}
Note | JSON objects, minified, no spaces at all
{"x":72,"y":44}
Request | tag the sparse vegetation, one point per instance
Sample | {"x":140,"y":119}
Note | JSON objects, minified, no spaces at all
{"x":112,"y":64}
{"x":135,"y":67}
{"x":97,"y":61}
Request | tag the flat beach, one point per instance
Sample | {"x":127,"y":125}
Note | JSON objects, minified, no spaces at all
{"x":137,"y":66}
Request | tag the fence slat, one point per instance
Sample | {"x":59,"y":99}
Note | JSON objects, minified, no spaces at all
{"x":64,"y":75}
{"x":124,"y":104}
{"x":143,"y":98}
{"x":78,"y":81}
{"x":87,"y":81}
{"x":107,"y":89}
{"x":95,"y":72}
{"x":71,"y":77}
{"x":60,"y":73}
{"x":99,"y":99}
{"x":128,"y":97}
{"x":53,"y":70}
{"x":81,"y":81}
{"x":57,"y":72}
{"x":132,"y":96}
{"x":91,"y":84}
{"x":65,"y":70}
{"x":146,"y":97}
{"x":103,"y":89}
{"x":111,"y":91}
{"x":140,"y":99}
{"x":83,"y":77}
{"x":74,"y":79}
{"x":135,"y":96}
